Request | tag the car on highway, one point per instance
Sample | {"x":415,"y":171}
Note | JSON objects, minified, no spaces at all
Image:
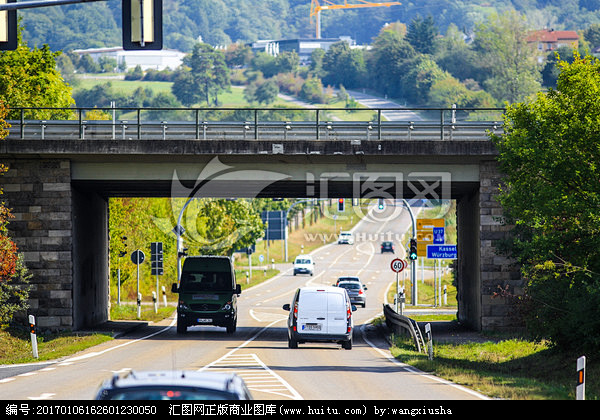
{"x":304,"y":264}
{"x":347,"y":278}
{"x":320,"y":314}
{"x":207,"y":293}
{"x":346,"y":238}
{"x":174,"y":385}
{"x":356,"y":292}
{"x":387,"y":246}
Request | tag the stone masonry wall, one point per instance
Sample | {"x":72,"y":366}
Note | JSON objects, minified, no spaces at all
{"x":38,"y":192}
{"x":497,"y":272}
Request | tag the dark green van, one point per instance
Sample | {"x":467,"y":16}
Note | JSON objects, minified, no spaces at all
{"x":207,"y":293}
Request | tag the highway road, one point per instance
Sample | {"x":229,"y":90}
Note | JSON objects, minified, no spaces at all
{"x":258,"y":350}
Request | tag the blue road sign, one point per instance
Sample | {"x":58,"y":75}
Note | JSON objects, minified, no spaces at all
{"x":438,"y":235}
{"x":442,"y":251}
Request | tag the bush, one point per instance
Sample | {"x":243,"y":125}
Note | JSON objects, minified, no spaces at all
{"x":14,"y":294}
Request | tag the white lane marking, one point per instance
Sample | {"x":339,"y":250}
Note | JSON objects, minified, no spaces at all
{"x":5,"y":380}
{"x":263,"y":315}
{"x":98,"y":353}
{"x":412,"y":369}
{"x":44,"y":396}
{"x":257,"y":375}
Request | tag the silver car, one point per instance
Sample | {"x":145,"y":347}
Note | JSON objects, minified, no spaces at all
{"x":174,"y":385}
{"x":356,"y":291}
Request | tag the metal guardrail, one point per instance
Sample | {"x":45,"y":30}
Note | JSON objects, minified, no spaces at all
{"x":401,"y":324}
{"x":263,"y":126}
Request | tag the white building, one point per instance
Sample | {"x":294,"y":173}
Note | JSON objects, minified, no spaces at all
{"x":146,"y":59}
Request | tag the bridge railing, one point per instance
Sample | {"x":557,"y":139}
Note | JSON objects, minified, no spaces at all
{"x":270,"y":124}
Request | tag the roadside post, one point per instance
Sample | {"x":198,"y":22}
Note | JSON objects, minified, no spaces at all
{"x":155,"y":301}
{"x":580,"y":389}
{"x":33,"y":335}
{"x":429,"y":340}
{"x":164,"y":295}
{"x":137,"y":257}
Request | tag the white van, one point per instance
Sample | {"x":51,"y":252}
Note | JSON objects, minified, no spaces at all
{"x":304,"y":264}
{"x":321,"y":313}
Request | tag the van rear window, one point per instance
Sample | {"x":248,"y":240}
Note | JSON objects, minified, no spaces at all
{"x":194,"y":264}
{"x":197,"y":282}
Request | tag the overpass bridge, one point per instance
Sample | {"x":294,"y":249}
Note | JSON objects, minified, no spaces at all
{"x":63,"y":171}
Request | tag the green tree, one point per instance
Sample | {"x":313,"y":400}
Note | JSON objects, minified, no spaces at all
{"x":551,"y":198}
{"x":422,"y":35}
{"x":592,"y":35}
{"x":28,"y":78}
{"x":387,"y":62}
{"x":205,"y":74}
{"x":343,"y":66}
{"x":262,"y":91}
{"x":421,"y":74}
{"x":510,"y":60}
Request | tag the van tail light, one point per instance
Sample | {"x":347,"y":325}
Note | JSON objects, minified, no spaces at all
{"x":296,"y":311}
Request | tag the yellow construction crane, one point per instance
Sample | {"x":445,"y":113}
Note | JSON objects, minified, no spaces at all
{"x":315,"y":8}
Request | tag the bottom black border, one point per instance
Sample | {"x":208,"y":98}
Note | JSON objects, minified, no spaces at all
{"x":258,"y":408}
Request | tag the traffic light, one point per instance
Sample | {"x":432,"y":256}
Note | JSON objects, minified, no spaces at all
{"x":412,"y":254}
{"x":123,"y":251}
{"x":156,"y":258}
{"x":341,"y":205}
{"x":8,"y":28}
{"x":142,"y":24}
{"x":380,"y":205}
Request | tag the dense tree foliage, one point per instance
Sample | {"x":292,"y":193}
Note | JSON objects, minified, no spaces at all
{"x":550,"y":156}
{"x":29,"y":78}
{"x":212,"y":227}
{"x":221,"y":22}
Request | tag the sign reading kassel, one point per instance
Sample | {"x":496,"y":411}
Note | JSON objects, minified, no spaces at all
{"x":442,"y":251}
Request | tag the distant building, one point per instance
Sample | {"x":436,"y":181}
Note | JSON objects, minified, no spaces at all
{"x":551,"y":40}
{"x":146,"y":59}
{"x":303,"y":47}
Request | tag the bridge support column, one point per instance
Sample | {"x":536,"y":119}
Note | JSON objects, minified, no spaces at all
{"x":499,"y":274}
{"x":62,"y":235}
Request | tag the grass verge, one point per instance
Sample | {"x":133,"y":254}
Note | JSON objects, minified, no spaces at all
{"x":511,"y":368}
{"x":15,"y":345}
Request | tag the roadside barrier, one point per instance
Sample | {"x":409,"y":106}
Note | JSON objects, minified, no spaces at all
{"x":401,"y":324}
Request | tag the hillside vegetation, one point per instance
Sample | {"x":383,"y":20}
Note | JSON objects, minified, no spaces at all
{"x":221,"y":22}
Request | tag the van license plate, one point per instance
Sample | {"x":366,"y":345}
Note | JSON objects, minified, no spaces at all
{"x":313,"y":327}
{"x":204,"y":320}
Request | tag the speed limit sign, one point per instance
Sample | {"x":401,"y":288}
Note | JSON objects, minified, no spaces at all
{"x":398,"y":265}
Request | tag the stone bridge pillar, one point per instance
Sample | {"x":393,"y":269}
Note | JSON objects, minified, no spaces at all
{"x":69,"y":290}
{"x":498,"y":272}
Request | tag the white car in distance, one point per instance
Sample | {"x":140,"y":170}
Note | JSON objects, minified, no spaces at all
{"x":346,"y":238}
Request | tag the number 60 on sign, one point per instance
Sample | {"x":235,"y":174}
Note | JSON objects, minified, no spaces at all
{"x":398,"y":265}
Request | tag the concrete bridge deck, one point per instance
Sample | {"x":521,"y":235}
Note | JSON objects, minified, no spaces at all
{"x":62,"y":172}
